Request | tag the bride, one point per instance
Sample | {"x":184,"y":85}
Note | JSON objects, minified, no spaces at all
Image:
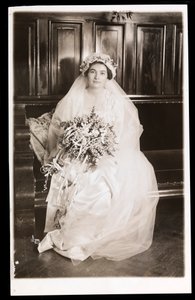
{"x":106,"y":207}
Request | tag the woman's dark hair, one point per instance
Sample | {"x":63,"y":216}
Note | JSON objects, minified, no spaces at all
{"x":99,"y":62}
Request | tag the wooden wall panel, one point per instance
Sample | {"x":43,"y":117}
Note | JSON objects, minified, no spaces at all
{"x":179,"y":62}
{"x":109,"y":40}
{"x":130,"y":59}
{"x":42,"y":58}
{"x":65,"y":55}
{"x":150,"y":51}
{"x":87,"y":39}
{"x":25,"y":58}
{"x":170,"y":48}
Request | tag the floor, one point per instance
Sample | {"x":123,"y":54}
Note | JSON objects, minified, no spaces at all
{"x":164,"y":258}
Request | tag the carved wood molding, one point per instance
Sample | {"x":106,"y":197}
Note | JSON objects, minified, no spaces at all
{"x":121,"y":16}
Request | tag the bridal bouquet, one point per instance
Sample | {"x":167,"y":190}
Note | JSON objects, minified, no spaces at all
{"x":85,"y":140}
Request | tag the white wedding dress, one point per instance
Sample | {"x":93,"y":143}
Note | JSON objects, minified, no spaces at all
{"x":109,"y":211}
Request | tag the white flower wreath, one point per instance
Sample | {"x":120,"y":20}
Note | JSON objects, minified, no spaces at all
{"x":98,"y":57}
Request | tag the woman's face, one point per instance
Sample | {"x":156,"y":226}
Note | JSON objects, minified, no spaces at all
{"x":97,"y":75}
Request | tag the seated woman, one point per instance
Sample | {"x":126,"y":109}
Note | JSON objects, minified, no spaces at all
{"x":103,"y":193}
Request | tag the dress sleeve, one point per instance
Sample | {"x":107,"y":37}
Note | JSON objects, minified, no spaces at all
{"x":63,"y":112}
{"x":54,"y":132}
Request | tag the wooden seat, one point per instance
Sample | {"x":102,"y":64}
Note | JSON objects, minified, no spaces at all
{"x":168,"y":166}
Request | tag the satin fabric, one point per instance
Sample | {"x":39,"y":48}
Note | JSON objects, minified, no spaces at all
{"x":108,"y":211}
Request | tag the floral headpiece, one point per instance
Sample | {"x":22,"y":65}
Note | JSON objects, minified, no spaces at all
{"x":98,"y":57}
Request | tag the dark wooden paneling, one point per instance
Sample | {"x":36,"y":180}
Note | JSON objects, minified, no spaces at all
{"x":42,"y":57}
{"x":24,"y":183}
{"x":173,"y":60}
{"x":163,"y":125}
{"x":35,"y":110}
{"x":25,"y":58}
{"x":65,"y":55}
{"x":24,"y":189}
{"x":179,"y":61}
{"x":150,"y":52}
{"x":130,"y":59}
{"x":170,"y":48}
{"x":109,"y":40}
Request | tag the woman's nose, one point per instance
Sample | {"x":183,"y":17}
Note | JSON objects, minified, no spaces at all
{"x":96,"y":75}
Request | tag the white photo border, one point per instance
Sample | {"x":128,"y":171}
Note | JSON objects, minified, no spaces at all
{"x":129,"y":285}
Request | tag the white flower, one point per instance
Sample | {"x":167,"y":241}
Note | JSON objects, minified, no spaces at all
{"x":95,"y":132}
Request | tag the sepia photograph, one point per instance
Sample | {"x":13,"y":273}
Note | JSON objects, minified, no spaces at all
{"x":99,"y":150}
